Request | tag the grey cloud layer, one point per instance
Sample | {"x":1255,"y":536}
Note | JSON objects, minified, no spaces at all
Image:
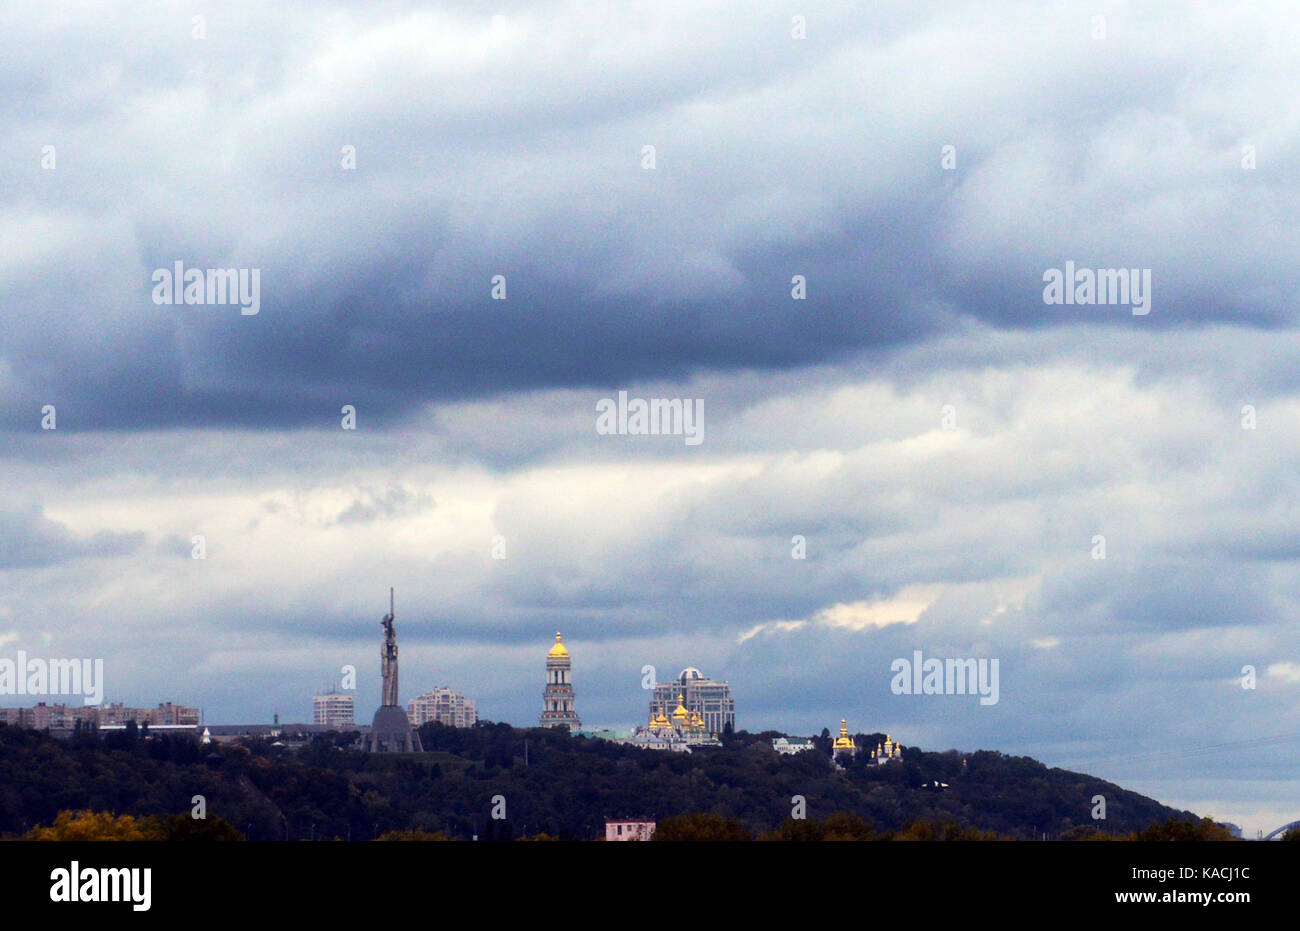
{"x":29,"y":539}
{"x":518,"y":153}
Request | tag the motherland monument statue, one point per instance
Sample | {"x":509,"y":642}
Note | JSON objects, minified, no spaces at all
{"x":391,"y":730}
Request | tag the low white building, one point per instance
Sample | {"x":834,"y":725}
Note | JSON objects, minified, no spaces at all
{"x":629,"y":830}
{"x":791,"y":745}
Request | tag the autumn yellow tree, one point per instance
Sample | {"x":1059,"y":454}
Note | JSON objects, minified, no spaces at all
{"x":1176,"y":829}
{"x":94,"y":825}
{"x":926,"y":829}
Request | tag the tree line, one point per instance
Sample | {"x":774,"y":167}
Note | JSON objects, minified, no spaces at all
{"x":496,"y":782}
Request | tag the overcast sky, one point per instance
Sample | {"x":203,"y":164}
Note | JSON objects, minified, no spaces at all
{"x":948,"y":444}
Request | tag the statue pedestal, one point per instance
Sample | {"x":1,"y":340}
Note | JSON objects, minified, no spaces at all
{"x":391,"y":732}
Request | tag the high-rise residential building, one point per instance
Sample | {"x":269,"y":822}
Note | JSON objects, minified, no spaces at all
{"x":444,"y":706}
{"x":112,"y":713}
{"x":708,"y":698}
{"x":167,"y":713}
{"x":333,"y":709}
{"x":42,"y":716}
{"x":557,"y":698}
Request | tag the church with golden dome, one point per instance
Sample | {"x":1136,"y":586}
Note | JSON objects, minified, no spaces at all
{"x":886,"y":752}
{"x":697,"y":693}
{"x":557,"y":697}
{"x":844,"y":746}
{"x":681,"y":731}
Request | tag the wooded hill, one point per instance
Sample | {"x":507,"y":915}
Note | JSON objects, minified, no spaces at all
{"x":568,"y":788}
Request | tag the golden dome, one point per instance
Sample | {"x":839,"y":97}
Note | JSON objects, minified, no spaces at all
{"x":559,"y":648}
{"x":681,"y":711}
{"x":844,"y":741}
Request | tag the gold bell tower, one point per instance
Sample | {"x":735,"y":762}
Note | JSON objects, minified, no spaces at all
{"x":558,"y":697}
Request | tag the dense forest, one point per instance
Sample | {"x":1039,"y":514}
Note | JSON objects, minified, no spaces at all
{"x":545,"y":782}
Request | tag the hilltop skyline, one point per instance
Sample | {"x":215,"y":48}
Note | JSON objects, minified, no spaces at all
{"x":473,"y":234}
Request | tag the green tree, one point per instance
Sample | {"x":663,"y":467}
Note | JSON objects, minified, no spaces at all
{"x":928,"y":829}
{"x":798,"y":830}
{"x":414,"y":836}
{"x":840,"y":826}
{"x":183,"y":827}
{"x":849,"y":826}
{"x":1176,"y":829}
{"x":697,"y":827}
{"x":1085,"y":832}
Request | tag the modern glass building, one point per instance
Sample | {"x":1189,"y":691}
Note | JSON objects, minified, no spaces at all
{"x":711,"y":698}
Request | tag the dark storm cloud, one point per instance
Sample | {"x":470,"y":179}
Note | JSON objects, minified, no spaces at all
{"x":516,"y":150}
{"x":523,"y":159}
{"x":1161,"y":594}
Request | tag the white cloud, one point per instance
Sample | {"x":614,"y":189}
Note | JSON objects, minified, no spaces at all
{"x":1287,"y":672}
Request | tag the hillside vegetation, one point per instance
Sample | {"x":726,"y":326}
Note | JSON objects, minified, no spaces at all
{"x":567,"y":789}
